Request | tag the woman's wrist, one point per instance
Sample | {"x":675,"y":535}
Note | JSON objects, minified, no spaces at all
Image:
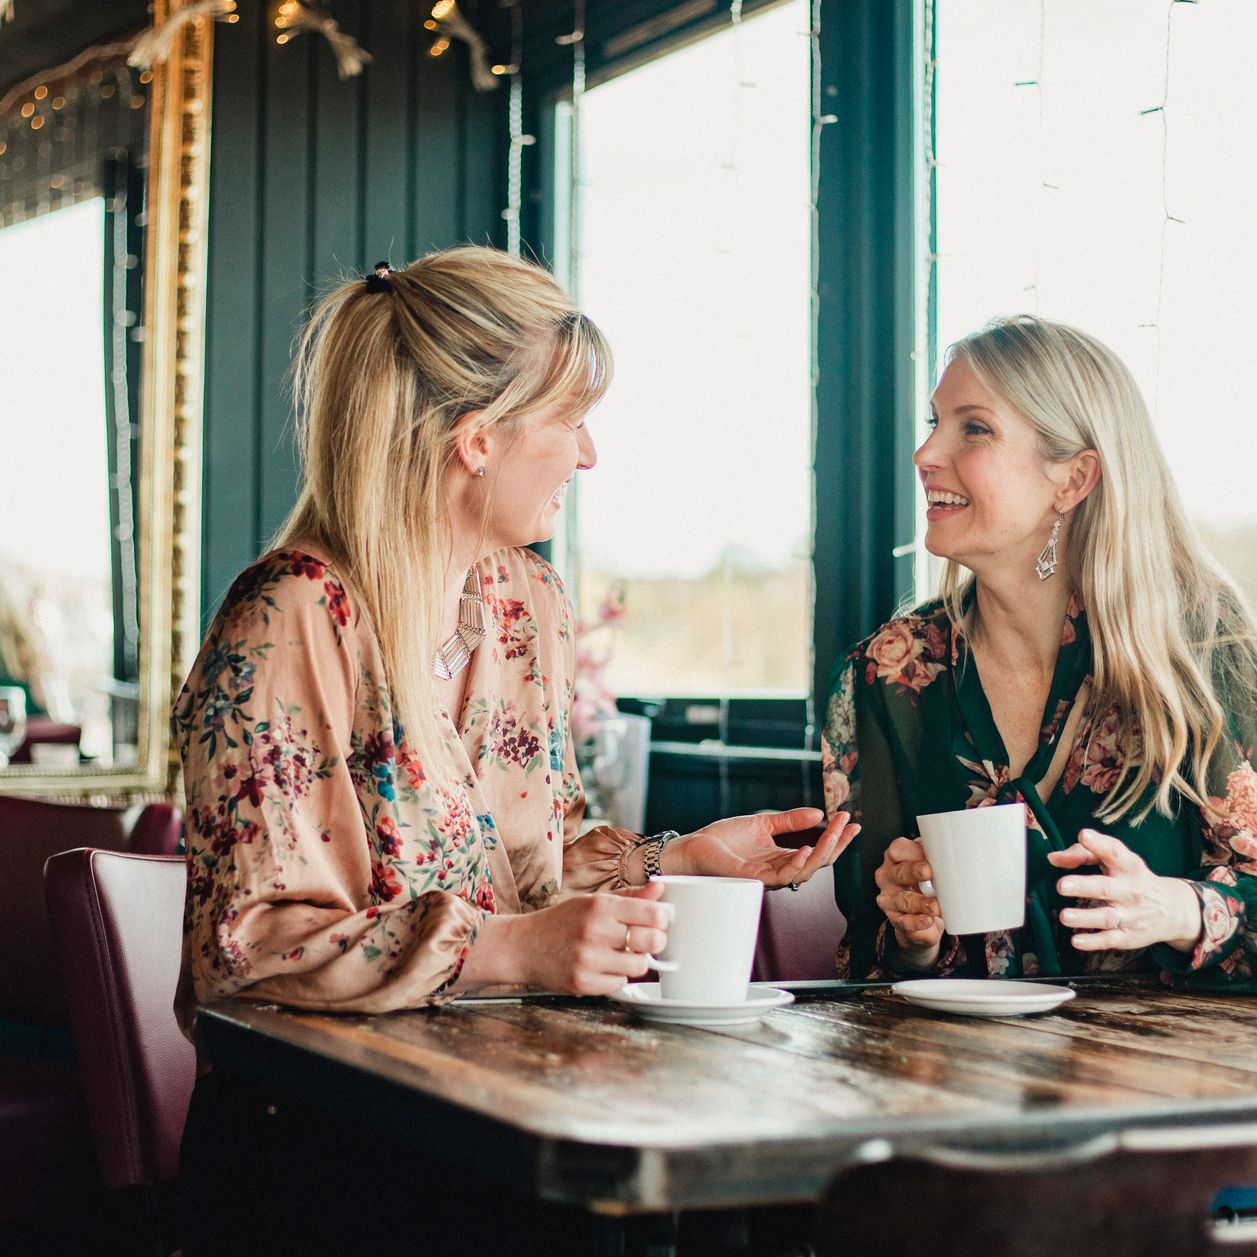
{"x":917,"y":956}
{"x":498,"y":955}
{"x":672,"y":860}
{"x":1184,"y":913}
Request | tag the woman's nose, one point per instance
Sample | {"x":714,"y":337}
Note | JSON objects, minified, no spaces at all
{"x":926,"y":454}
{"x":586,"y":454}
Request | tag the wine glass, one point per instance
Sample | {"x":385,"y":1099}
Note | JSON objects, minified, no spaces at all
{"x":12,"y":721}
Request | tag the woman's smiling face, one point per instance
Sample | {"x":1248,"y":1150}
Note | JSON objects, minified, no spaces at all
{"x":529,"y":479}
{"x":991,"y":493}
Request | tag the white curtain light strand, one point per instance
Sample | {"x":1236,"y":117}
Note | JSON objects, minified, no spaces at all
{"x":295,"y":18}
{"x":519,"y":140}
{"x":1162,"y":110}
{"x":575,"y":39}
{"x":153,"y":45}
{"x":448,"y":20}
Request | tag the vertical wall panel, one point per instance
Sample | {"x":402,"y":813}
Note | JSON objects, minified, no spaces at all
{"x":386,"y":133}
{"x":336,"y":208}
{"x":231,"y":367}
{"x":437,"y":159}
{"x":287,"y":133}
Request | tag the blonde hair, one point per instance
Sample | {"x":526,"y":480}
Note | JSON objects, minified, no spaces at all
{"x":1169,"y":630}
{"x":380,"y":380}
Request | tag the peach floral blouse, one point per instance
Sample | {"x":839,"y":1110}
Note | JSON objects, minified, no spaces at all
{"x":324,"y":869}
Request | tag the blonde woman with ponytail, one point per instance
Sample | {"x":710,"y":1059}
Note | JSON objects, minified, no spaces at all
{"x":382,"y":797}
{"x":1085,"y":657}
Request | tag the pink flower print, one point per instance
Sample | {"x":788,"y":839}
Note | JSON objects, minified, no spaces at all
{"x":1111,"y":749}
{"x":893,"y":650}
{"x":337,"y":602}
{"x":895,"y":654}
{"x":308,"y":566}
{"x":389,"y":836}
{"x":385,"y":883}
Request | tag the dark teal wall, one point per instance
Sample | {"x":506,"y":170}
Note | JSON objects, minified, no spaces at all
{"x":313,"y":179}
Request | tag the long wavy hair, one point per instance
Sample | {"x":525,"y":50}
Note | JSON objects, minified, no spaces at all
{"x":380,"y":379}
{"x":1170,"y":631}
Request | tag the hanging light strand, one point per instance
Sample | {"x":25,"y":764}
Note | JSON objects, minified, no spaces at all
{"x":575,"y":39}
{"x":519,"y":139}
{"x":295,"y":18}
{"x":1162,"y":110}
{"x":448,"y":22}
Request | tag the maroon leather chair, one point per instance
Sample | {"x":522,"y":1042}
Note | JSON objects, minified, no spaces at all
{"x":118,"y":921}
{"x":799,"y":932}
{"x":47,"y":1164}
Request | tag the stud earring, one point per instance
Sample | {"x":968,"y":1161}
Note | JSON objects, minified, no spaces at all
{"x":480,"y":471}
{"x":1046,"y":563}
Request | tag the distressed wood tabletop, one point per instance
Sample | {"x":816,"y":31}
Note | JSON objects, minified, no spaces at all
{"x":587,"y":1104}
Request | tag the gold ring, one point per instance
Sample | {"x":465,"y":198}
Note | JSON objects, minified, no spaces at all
{"x":628,"y":938}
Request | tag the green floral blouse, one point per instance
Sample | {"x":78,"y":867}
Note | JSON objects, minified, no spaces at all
{"x":909,"y":731}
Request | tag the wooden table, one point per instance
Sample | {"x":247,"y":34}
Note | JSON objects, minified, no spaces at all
{"x":585,"y":1104}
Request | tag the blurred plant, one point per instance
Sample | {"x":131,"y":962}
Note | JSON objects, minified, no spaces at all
{"x":593,"y":698}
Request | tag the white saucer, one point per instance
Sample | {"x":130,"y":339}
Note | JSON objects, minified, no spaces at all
{"x":644,"y":999}
{"x":983,"y":997}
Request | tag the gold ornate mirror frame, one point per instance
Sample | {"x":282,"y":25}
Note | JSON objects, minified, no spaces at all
{"x":170,"y":424}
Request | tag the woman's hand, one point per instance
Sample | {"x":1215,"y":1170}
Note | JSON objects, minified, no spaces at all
{"x":743,"y":846}
{"x":587,"y":945}
{"x":915,"y":918}
{"x":1135,"y":907}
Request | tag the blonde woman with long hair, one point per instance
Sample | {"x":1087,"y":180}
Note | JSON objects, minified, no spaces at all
{"x":382,"y":797}
{"x":1085,"y":657}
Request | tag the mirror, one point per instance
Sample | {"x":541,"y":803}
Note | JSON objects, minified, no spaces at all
{"x":103,"y":182}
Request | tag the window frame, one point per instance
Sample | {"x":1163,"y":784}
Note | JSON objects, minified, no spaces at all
{"x":869,"y":313}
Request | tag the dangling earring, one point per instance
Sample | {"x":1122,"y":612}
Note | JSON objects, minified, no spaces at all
{"x":1045,"y":566}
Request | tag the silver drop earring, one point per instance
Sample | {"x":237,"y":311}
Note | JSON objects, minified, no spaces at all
{"x":1046,"y":563}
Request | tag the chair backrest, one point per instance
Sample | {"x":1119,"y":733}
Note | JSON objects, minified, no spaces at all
{"x":30,"y":831}
{"x":799,"y":932}
{"x":118,"y":921}
{"x":1143,"y":1193}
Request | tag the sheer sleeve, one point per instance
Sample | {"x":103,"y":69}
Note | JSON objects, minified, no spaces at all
{"x":1226,"y":882}
{"x":287,"y":896}
{"x":855,"y":753}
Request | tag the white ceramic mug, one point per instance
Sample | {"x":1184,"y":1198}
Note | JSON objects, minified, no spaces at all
{"x":711,"y":938}
{"x":978,"y":858}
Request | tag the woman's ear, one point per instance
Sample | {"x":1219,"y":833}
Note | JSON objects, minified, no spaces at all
{"x":1082,"y":476}
{"x":473,"y":444}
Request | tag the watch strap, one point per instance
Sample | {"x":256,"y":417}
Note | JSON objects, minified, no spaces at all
{"x":653,"y":852}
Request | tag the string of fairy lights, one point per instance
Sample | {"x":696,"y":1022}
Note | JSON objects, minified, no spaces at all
{"x":1161,"y":111}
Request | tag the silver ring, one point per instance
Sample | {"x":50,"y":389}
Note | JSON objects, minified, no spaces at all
{"x":628,"y":938}
{"x":793,"y":885}
{"x":1117,"y":925}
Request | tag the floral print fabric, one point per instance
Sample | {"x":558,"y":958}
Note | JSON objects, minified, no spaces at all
{"x":909,"y":731}
{"x":324,"y":869}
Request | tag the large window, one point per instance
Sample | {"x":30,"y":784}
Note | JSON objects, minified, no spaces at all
{"x":1097,"y":163}
{"x":54,"y":508}
{"x":693,"y":254}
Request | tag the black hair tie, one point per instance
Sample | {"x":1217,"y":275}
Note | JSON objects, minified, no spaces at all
{"x":378,"y":280}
